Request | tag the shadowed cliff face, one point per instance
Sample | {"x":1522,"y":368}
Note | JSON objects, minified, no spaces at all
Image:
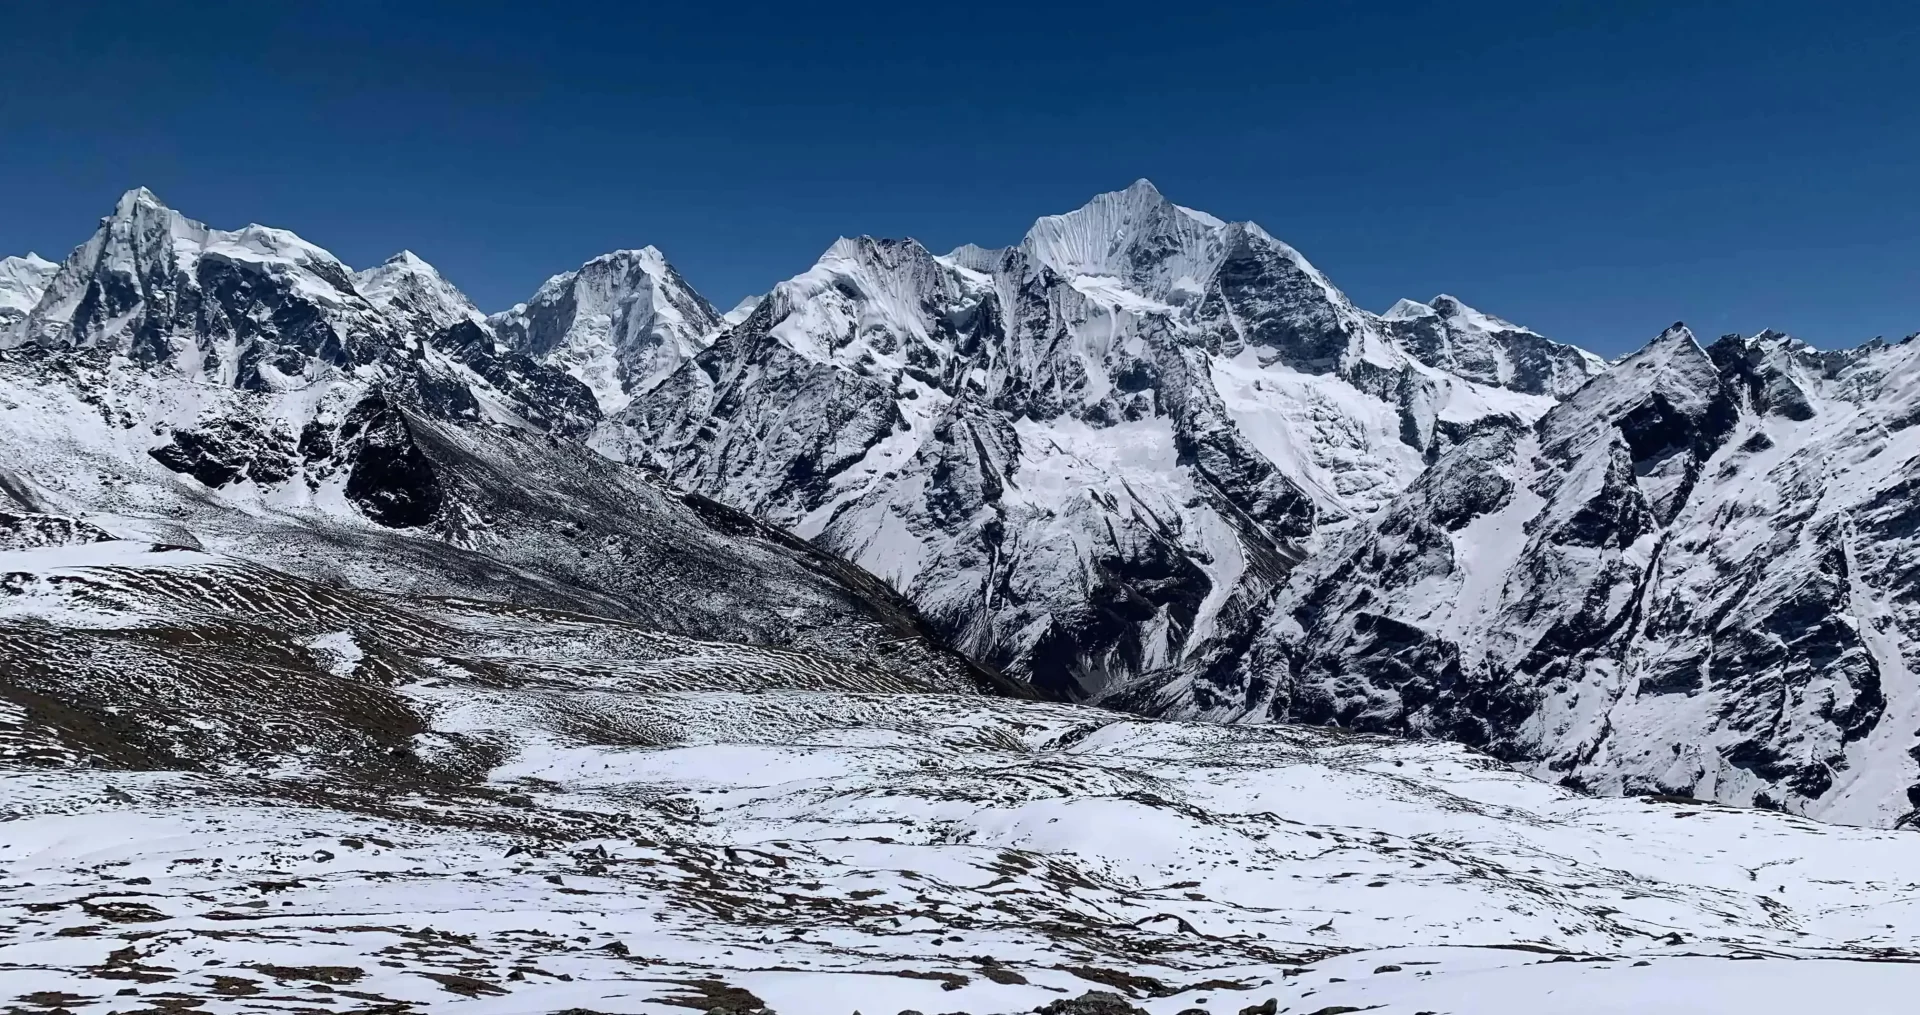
{"x":1688,"y":578}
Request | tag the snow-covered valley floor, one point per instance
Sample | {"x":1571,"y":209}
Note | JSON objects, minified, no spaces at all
{"x":831,"y":852}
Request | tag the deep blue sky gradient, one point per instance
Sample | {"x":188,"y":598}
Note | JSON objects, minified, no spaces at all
{"x":1593,"y":170}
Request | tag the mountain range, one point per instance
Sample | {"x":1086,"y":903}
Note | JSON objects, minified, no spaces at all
{"x":1144,"y":457}
{"x":898,"y":546}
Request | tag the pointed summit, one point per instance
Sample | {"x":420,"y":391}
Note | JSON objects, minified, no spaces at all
{"x":138,"y":197}
{"x":619,"y":323}
{"x":741,"y":310}
{"x":30,"y":266}
{"x":415,"y":296}
{"x":141,"y":286}
{"x":1676,"y":333}
{"x":885,"y":255}
{"x":1674,"y":348}
{"x":1669,"y":378}
{"x":1408,"y":310}
{"x":1134,"y":235}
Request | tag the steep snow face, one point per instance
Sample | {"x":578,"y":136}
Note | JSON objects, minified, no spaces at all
{"x":741,"y":311}
{"x":414,"y":294}
{"x":1693,"y":576}
{"x":1086,"y":456}
{"x":256,"y":308}
{"x":974,"y":257}
{"x":865,"y":305}
{"x":1480,"y":347}
{"x":620,"y":324}
{"x":22,"y":281}
{"x":1135,"y":237}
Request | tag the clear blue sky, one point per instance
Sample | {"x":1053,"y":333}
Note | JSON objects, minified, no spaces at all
{"x":1594,"y":170}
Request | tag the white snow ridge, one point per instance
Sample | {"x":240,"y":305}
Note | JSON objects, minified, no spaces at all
{"x":1117,"y":622}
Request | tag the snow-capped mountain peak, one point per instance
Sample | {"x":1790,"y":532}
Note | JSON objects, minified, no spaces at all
{"x":1408,"y":310}
{"x":1673,"y":368}
{"x":867,"y":298}
{"x":31,"y":263}
{"x":1667,"y":404}
{"x":1452,"y":309}
{"x":1138,"y":401}
{"x":135,"y":199}
{"x":1447,"y":333}
{"x":741,"y":310}
{"x":620,"y":323}
{"x":409,"y":289}
{"x":250,"y":307}
{"x":974,"y":257}
{"x":1135,"y":236}
{"x":23,"y":280}
{"x":1674,"y":364}
{"x":407,"y":260}
{"x":261,"y":310}
{"x":141,"y":218}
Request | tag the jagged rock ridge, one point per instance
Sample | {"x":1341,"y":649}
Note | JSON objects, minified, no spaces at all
{"x":1480,"y":347}
{"x":1695,"y":576}
{"x":1087,"y":456}
{"x":1145,"y":455}
{"x":244,"y":395}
